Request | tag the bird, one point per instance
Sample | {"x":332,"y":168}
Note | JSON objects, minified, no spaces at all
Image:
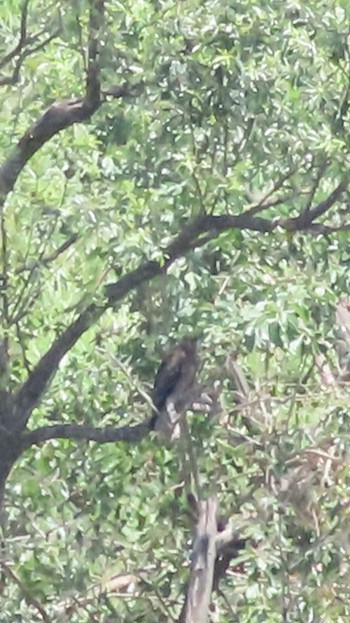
{"x":174,"y":382}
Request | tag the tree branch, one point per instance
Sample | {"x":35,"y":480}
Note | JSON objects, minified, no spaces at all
{"x":22,"y":50}
{"x":22,"y":36}
{"x":267,"y":200}
{"x":44,"y":261}
{"x":325,"y":205}
{"x":197,"y":233}
{"x":108,"y":434}
{"x":307,"y":217}
{"x":35,"y":385}
{"x":61,"y":114}
{"x":322,"y":168}
{"x":93,"y":86}
{"x":228,"y":545}
{"x":26,"y":592}
{"x":203,"y":561}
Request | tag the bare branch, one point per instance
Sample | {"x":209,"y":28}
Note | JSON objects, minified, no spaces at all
{"x":4,"y":355}
{"x":4,"y":379}
{"x":4,"y":276}
{"x":324,"y":230}
{"x":203,"y":561}
{"x":206,"y":227}
{"x":228,"y":545}
{"x":342,"y":323}
{"x":108,"y":434}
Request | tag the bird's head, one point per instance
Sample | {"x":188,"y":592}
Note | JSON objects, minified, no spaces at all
{"x":190,"y":344}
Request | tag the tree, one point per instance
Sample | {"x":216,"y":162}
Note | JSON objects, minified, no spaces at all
{"x":170,"y":167}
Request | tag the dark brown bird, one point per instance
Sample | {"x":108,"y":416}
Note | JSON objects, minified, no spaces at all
{"x":175,"y":379}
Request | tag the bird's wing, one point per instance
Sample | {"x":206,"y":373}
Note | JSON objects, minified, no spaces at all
{"x":167,"y":378}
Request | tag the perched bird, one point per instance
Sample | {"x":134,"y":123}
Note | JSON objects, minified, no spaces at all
{"x":174,"y":382}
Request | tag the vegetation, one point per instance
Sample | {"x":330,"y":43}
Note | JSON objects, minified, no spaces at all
{"x":171,"y":168}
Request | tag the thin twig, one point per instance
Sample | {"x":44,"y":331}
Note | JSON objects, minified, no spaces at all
{"x":316,"y":183}
{"x":44,"y":261}
{"x":32,"y":601}
{"x":22,"y":36}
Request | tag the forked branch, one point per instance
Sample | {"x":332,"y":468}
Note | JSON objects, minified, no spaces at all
{"x":204,"y":228}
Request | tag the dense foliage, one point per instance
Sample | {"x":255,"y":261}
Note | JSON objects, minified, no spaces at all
{"x":229,"y":107}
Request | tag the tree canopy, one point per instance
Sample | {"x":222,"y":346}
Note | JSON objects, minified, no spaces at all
{"x":170,"y":169}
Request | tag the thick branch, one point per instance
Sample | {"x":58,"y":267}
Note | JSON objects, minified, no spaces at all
{"x":60,"y":116}
{"x":328,"y":203}
{"x":93,"y":86}
{"x":33,"y":388}
{"x":206,"y":227}
{"x":203,"y":561}
{"x":109,"y":434}
{"x":197,"y":233}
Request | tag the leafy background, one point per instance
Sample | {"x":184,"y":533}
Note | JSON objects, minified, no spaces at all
{"x":230,"y":98}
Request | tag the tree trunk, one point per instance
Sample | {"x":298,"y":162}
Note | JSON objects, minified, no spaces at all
{"x":10,"y":449}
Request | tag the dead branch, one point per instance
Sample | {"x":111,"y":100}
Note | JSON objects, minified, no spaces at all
{"x":228,"y":544}
{"x":122,"y":584}
{"x":203,"y":561}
